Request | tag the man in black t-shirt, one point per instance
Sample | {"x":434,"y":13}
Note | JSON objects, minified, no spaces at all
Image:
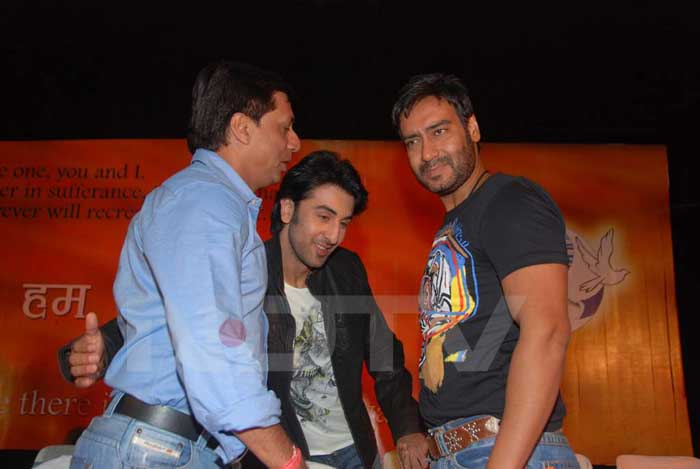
{"x":492,"y":295}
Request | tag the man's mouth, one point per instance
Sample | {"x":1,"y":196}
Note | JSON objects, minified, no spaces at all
{"x":285,"y":162}
{"x":438,"y":163}
{"x":323,"y":249}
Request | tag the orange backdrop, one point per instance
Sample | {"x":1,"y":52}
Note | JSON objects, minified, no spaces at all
{"x":65,"y":205}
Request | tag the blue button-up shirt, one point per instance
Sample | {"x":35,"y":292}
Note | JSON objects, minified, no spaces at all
{"x":190,"y":290}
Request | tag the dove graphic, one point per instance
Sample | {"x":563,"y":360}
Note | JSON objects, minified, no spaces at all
{"x":600,"y":263}
{"x":585,"y":291}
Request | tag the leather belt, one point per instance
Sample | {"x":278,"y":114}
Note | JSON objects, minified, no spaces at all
{"x":461,"y":437}
{"x":163,"y":417}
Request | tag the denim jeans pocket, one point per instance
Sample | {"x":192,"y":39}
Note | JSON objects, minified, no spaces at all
{"x":145,"y":446}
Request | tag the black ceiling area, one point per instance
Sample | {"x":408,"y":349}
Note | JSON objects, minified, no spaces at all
{"x":560,"y":72}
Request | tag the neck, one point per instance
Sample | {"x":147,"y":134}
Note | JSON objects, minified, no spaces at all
{"x":463,"y":192}
{"x":294,"y":271}
{"x":230,"y":155}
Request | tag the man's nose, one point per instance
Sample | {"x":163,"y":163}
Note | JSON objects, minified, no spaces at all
{"x":333,"y":233}
{"x":428,"y":150}
{"x":293,"y":141}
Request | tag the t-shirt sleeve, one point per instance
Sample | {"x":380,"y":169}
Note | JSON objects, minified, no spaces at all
{"x":522,"y":226}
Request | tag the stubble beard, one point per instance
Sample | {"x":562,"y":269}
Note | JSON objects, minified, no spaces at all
{"x":462,"y":168}
{"x":298,"y":246}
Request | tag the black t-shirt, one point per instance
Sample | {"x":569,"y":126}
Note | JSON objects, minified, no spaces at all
{"x":468,"y":332}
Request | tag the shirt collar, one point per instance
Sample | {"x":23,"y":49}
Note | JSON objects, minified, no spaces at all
{"x":234,"y":180}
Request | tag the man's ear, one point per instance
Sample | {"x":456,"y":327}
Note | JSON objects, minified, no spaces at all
{"x":240,"y":127}
{"x":473,"y":129}
{"x":286,"y":210}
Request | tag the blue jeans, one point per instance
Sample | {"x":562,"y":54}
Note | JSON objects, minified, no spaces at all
{"x":552,"y":451}
{"x":115,"y":441}
{"x":344,"y":458}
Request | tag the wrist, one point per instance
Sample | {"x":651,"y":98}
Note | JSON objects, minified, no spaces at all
{"x":295,"y":461}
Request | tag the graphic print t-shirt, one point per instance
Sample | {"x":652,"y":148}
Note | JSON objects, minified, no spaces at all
{"x":314,"y":392}
{"x":468,"y":332}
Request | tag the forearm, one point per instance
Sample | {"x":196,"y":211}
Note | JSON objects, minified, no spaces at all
{"x":532,"y":387}
{"x":270,"y":444}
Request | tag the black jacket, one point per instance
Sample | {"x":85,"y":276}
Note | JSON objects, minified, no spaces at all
{"x":357,"y":335}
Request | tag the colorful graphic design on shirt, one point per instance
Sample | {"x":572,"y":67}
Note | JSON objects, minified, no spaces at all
{"x":313,"y":379}
{"x":449,"y":295}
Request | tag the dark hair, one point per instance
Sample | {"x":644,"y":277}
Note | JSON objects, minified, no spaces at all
{"x":314,"y":170}
{"x":222,"y":89}
{"x":438,"y":85}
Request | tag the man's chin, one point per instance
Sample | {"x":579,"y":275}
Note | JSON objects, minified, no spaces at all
{"x":272,"y":180}
{"x":436,"y":187}
{"x":318,"y":260}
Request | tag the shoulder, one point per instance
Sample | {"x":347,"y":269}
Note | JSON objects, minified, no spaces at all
{"x":522,"y":226}
{"x":194,"y":202}
{"x":198,"y":189}
{"x":515,"y":187}
{"x":516,"y":198}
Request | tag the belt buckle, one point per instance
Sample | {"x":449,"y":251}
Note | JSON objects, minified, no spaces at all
{"x":492,"y":424}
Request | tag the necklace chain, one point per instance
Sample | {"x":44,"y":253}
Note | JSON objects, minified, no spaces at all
{"x":476,"y":184}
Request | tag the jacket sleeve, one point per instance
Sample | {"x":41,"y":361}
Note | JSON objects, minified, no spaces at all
{"x":113,"y":342}
{"x":385,"y":362}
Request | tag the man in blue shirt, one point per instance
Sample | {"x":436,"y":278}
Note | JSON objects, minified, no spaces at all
{"x":324,"y":327}
{"x":190,"y":288}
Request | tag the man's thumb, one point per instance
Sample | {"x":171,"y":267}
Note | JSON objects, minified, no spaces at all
{"x":91,"y":323}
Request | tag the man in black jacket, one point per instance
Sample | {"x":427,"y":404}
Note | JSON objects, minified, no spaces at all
{"x":323,"y":325}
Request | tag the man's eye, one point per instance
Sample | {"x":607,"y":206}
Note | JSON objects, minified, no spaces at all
{"x":439,"y":131}
{"x":409,"y":143}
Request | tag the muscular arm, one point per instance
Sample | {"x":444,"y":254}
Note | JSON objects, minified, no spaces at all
{"x":536,"y":296}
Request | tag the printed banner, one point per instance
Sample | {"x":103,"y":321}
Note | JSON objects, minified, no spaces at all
{"x":65,"y":207}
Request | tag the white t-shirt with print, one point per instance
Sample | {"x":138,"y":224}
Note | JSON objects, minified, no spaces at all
{"x":314,"y":392}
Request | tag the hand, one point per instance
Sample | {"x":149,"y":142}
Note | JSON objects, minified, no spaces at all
{"x":87,"y":354}
{"x":413,"y":451}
